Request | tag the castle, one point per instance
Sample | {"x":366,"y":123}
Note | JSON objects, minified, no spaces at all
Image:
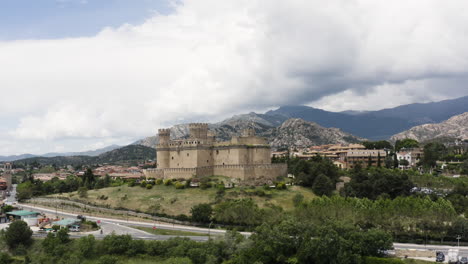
{"x":245,"y":158}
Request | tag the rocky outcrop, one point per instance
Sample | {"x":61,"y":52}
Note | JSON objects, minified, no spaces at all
{"x":455,"y":127}
{"x":296,"y":132}
{"x":292,"y":132}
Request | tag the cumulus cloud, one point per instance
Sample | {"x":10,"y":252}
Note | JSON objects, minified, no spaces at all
{"x":210,"y":59}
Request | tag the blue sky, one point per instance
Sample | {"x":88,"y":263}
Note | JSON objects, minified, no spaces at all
{"x":52,"y":19}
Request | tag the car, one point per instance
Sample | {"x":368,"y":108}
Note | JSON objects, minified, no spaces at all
{"x":75,"y":228}
{"x":463,"y":260}
{"x":440,"y":257}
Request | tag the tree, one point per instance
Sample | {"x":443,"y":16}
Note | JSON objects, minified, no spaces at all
{"x":18,"y":233}
{"x":432,"y":152}
{"x":406,"y":143}
{"x":382,"y":144}
{"x":322,"y":185}
{"x":89,"y":179}
{"x":201,"y":213}
{"x":83,"y":192}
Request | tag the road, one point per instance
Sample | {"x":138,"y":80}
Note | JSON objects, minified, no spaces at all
{"x":463,"y":251}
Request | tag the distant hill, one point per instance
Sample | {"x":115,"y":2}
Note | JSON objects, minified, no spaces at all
{"x":93,"y":153}
{"x":16,"y":157}
{"x":296,"y":132}
{"x":380,"y":124}
{"x":57,"y":154}
{"x":121,"y":155}
{"x":455,"y":127}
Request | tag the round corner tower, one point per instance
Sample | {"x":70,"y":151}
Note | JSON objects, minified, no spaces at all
{"x":162,"y":149}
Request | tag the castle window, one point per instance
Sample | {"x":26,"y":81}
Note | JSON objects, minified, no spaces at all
{"x":217,"y":152}
{"x":172,"y":157}
{"x":207,"y":161}
{"x":187,"y":154}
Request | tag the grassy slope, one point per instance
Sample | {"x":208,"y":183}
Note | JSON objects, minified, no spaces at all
{"x":175,"y":202}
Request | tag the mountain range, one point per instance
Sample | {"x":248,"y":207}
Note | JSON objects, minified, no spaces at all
{"x":92,"y":153}
{"x":455,"y":127}
{"x":304,"y":125}
{"x":381,"y":124}
{"x":352,"y":125}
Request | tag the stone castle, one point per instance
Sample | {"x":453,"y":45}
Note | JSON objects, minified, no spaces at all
{"x":245,"y":158}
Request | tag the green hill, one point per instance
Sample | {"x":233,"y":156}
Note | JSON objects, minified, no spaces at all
{"x":125,"y":155}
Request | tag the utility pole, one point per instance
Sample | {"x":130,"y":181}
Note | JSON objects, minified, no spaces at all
{"x":209,"y":230}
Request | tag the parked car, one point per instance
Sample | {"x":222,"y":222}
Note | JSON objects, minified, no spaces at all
{"x":75,"y":228}
{"x":440,"y":257}
{"x":463,"y":260}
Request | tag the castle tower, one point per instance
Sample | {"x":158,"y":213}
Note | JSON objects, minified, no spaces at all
{"x":7,"y":175}
{"x":248,"y":132}
{"x":162,"y":149}
{"x":198,"y":131}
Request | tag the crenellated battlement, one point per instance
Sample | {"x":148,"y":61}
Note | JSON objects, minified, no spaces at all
{"x":198,"y":125}
{"x":163,"y":131}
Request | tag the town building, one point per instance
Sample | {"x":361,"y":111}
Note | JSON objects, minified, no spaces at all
{"x":245,"y":158}
{"x":365,"y":157}
{"x":413,"y":156}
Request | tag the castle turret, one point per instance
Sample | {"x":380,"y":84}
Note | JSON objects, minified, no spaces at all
{"x":162,"y":149}
{"x":198,"y":131}
{"x":248,"y":132}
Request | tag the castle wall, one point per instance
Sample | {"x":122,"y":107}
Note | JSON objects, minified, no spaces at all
{"x":245,"y":158}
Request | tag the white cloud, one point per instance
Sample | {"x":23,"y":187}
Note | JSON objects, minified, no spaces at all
{"x":211,"y":59}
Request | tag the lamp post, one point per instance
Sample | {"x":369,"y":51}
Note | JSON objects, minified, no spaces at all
{"x":458,"y":240}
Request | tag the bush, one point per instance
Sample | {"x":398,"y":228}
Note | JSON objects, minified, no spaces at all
{"x":298,"y":199}
{"x":143,"y":184}
{"x":182,"y":217}
{"x":168,"y":182}
{"x":159,"y":181}
{"x":149,"y":186}
{"x":202,"y":213}
{"x":179,"y":185}
{"x":131,"y":183}
{"x":205,"y":185}
{"x":281,"y":186}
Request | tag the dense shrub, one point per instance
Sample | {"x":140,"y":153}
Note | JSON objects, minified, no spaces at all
{"x":149,"y":186}
{"x":167,"y":182}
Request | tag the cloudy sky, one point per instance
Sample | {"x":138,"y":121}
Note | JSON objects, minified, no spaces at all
{"x":82,"y":74}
